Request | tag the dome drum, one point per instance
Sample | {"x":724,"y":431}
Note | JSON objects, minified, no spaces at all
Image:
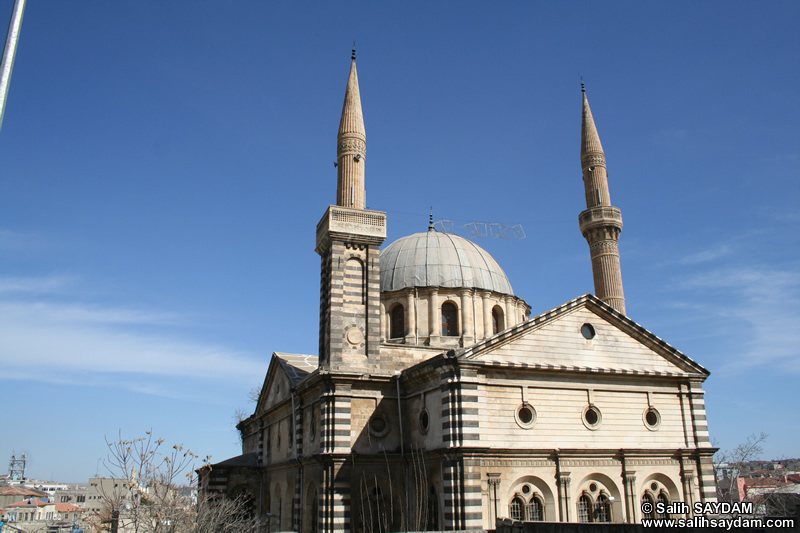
{"x":442,"y":290}
{"x":447,"y":317}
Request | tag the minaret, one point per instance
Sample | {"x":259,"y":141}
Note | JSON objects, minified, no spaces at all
{"x":348,"y":241}
{"x":351,"y":149}
{"x":601,"y":223}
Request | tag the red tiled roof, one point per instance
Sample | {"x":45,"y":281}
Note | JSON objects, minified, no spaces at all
{"x":67,"y":508}
{"x":15,"y":490}
{"x":761,"y":482}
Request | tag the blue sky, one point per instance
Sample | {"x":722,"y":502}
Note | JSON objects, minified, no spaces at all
{"x":164,"y":165}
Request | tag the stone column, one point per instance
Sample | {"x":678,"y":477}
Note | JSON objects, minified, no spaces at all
{"x":629,"y":484}
{"x":467,"y":334}
{"x":487,"y":315}
{"x":434,"y":317}
{"x":494,"y":483}
{"x":563,"y":495}
{"x":511,"y":317}
{"x":411,"y":317}
{"x":687,"y":476}
{"x":386,"y":322}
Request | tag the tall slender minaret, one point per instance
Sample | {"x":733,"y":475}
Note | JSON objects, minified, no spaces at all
{"x":351,"y":149}
{"x":348,"y":241}
{"x":601,"y":223}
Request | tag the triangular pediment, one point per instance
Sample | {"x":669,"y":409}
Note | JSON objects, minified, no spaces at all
{"x":555,"y":340}
{"x":285,"y":372}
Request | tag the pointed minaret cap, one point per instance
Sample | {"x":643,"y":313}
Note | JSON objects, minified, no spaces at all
{"x":352,"y":123}
{"x":590,"y":140}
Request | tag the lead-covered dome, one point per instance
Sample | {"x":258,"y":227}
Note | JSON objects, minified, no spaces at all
{"x":434,"y":259}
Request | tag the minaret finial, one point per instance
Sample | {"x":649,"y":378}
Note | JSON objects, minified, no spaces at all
{"x":583,"y":87}
{"x":430,"y":221}
{"x":353,"y":56}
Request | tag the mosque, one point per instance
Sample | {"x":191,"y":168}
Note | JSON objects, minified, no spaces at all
{"x":438,"y":403}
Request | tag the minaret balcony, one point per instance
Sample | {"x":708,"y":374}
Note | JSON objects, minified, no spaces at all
{"x":599,"y":217}
{"x":360,"y":225}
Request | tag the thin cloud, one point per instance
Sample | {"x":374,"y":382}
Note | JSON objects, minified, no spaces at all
{"x":765,"y":301}
{"x":68,"y":313}
{"x":58,"y":341}
{"x":710,"y":254}
{"x":21,"y":285}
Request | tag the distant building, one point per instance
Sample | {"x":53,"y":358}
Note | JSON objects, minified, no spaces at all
{"x":437,"y":402}
{"x":35,"y":511}
{"x":16,"y":493}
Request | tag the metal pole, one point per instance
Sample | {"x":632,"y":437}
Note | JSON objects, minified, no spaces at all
{"x":9,"y":52}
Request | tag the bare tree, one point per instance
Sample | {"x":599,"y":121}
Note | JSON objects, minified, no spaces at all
{"x":733,"y":462}
{"x":154,"y":491}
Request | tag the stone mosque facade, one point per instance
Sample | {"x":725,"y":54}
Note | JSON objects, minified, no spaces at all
{"x":438,"y":403}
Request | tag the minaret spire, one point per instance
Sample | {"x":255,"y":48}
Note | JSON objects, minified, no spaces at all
{"x":601,"y":223}
{"x":351,"y":146}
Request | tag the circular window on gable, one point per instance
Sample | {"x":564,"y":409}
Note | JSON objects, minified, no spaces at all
{"x":652,"y":418}
{"x":525,"y":416}
{"x":587,"y":330}
{"x":592,"y":418}
{"x":378,"y":426}
{"x":424,"y":420}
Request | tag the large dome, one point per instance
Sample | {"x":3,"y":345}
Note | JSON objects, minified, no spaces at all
{"x":434,"y":259}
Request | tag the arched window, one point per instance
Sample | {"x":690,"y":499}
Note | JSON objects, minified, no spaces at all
{"x":584,"y":509}
{"x":432,"y":521}
{"x":516,"y":509}
{"x":449,"y":320}
{"x":313,"y":523}
{"x":535,"y":510}
{"x":355,"y":282}
{"x":498,"y":322}
{"x":664,"y":500}
{"x":647,"y":499}
{"x":603,"y":512}
{"x":398,"y":322}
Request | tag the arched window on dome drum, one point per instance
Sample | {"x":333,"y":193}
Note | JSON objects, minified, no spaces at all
{"x":603,"y":513}
{"x":498,"y":322}
{"x":398,"y":322}
{"x":516,"y":508}
{"x":584,"y":509}
{"x":449,"y":320}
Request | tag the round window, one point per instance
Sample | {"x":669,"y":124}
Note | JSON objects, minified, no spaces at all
{"x":587,"y":330}
{"x":424,"y":420}
{"x":654,"y":486}
{"x":652,"y":418}
{"x":525,"y":416}
{"x":526,"y":489}
{"x":592,"y":417}
{"x":593,"y":487}
{"x":378,"y":426}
